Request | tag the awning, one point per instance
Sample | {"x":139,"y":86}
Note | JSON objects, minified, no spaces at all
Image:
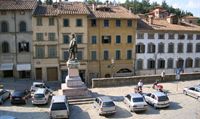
{"x":6,"y":67}
{"x":23,"y":67}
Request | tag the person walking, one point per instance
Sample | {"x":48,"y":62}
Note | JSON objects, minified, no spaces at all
{"x":140,"y":85}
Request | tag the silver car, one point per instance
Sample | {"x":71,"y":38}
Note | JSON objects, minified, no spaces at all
{"x":4,"y":94}
{"x":192,"y":91}
{"x":104,"y":105}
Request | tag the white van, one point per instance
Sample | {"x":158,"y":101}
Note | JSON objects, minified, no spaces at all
{"x":41,"y":96}
{"x":59,"y":107}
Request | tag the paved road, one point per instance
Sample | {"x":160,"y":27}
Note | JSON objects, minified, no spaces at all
{"x":182,"y":107}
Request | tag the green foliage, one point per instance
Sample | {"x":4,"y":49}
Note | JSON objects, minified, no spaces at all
{"x":145,"y":6}
{"x":49,"y":2}
{"x":39,"y":2}
{"x":198,"y":21}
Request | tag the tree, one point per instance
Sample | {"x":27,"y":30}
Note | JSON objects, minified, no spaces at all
{"x":49,"y":2}
{"x":198,"y":21}
{"x":39,"y":2}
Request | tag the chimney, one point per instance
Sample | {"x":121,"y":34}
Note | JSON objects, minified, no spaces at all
{"x":107,"y":2}
{"x":93,"y":8}
{"x":129,"y":10}
{"x":150,"y":19}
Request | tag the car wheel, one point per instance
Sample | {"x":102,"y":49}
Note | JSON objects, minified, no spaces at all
{"x":184,"y":92}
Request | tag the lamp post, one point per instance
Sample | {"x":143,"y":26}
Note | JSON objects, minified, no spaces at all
{"x":112,"y":66}
{"x":155,"y":56}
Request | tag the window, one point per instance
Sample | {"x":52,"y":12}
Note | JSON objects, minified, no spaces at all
{"x":171,"y":36}
{"x":22,"y":26}
{"x":198,"y":37}
{"x":140,"y":35}
{"x":106,"y":23}
{"x":39,"y":21}
{"x":129,"y":23}
{"x":198,"y":47}
{"x":190,"y":36}
{"x":161,"y":48}
{"x":51,"y":36}
{"x":79,"y":22}
{"x":52,"y":52}
{"x":105,"y":55}
{"x":180,"y":48}
{"x":170,"y":48}
{"x":161,"y":36}
{"x":117,"y":54}
{"x":94,"y":40}
{"x":80,"y":55}
{"x":22,"y":12}
{"x":106,"y":39}
{"x":23,"y":46}
{"x":93,"y":55}
{"x":65,"y":55}
{"x":118,"y":39}
{"x":180,"y":63}
{"x":51,"y":21}
{"x":181,"y":36}
{"x":197,"y":62}
{"x":39,"y":37}
{"x":189,"y":63}
{"x":66,"y":38}
{"x":151,"y":48}
{"x":150,"y":36}
{"x":4,"y":26}
{"x":150,"y":64}
{"x":140,"y":48}
{"x":170,"y":63}
{"x":161,"y":63}
{"x":79,"y":38}
{"x":129,"y":54}
{"x":3,"y":12}
{"x":139,"y":64}
{"x":40,"y":53}
{"x":118,"y":23}
{"x":129,"y":39}
{"x":93,"y":22}
{"x":5,"y":47}
{"x":66,"y":22}
{"x":189,"y":48}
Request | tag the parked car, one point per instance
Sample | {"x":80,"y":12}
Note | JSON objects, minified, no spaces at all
{"x":135,"y":102}
{"x":59,"y":107}
{"x":192,"y":91}
{"x":157,"y":99}
{"x":41,"y":96}
{"x":19,"y":97}
{"x":104,"y":105}
{"x":7,"y":117}
{"x":4,"y":95}
{"x":37,"y":85}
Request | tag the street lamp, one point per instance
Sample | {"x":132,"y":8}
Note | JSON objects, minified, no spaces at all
{"x":155,"y":56}
{"x":112,"y":66}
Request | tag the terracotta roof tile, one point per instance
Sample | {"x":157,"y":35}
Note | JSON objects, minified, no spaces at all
{"x":61,"y":8}
{"x":113,"y":12}
{"x":17,"y":4}
{"x":162,"y":24}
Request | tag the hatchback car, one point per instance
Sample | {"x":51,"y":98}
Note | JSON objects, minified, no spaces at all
{"x":192,"y":91}
{"x":104,"y":105}
{"x":37,"y":85}
{"x":135,"y":102}
{"x":4,"y":95}
{"x":19,"y":97}
{"x":41,"y":96}
{"x":59,"y":107}
{"x":157,"y":99}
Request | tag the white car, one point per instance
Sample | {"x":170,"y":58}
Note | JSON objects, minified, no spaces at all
{"x":193,"y":91}
{"x":157,"y":99}
{"x":41,"y":96}
{"x":37,"y":85}
{"x":135,"y":102}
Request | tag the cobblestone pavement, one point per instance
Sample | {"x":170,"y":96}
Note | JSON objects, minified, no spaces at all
{"x":181,"y":107}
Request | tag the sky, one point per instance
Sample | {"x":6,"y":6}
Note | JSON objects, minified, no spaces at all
{"x":187,"y":5}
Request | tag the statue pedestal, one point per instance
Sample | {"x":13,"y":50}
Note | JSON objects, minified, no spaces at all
{"x":73,"y":85}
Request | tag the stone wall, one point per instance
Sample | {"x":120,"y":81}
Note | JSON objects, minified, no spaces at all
{"x":125,"y":81}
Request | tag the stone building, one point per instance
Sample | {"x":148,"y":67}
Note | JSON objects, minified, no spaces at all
{"x":16,"y":38}
{"x":111,"y":41}
{"x":167,"y":44}
{"x":53,"y":26}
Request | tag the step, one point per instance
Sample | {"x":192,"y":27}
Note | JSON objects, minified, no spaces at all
{"x":81,"y":103}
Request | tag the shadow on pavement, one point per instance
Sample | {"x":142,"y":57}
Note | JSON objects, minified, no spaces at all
{"x":77,"y":113}
{"x":114,"y":98}
{"x":174,"y":106}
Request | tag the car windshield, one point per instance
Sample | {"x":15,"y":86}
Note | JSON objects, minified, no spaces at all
{"x":163,"y":98}
{"x":39,"y":86}
{"x":39,"y":96}
{"x":138,"y":100}
{"x":59,"y":106}
{"x":108,"y":104}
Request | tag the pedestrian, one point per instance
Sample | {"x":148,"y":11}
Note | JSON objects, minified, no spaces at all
{"x":162,"y":75}
{"x":140,"y":85}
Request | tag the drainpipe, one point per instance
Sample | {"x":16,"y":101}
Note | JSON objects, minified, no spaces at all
{"x":16,"y":60}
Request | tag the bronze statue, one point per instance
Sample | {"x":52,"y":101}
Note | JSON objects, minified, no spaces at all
{"x":72,"y":48}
